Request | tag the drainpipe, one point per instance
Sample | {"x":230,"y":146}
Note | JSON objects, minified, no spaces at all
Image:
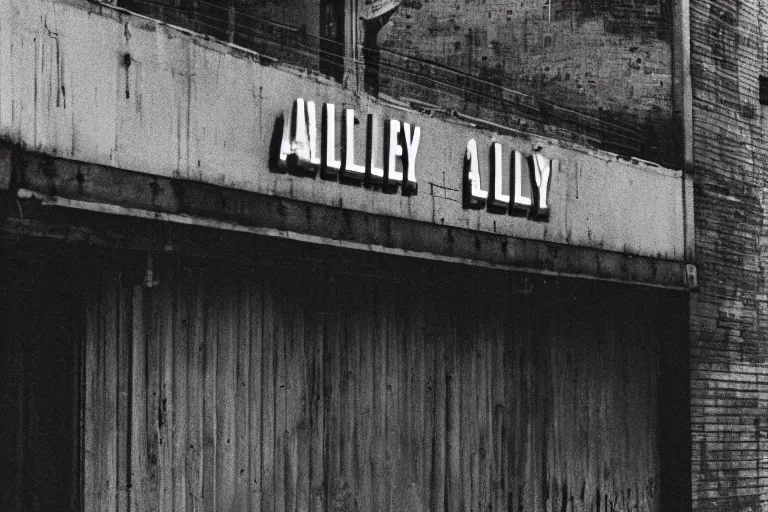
{"x":683,"y":118}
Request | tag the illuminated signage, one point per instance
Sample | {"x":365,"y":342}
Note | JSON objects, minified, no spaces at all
{"x":518,"y":184}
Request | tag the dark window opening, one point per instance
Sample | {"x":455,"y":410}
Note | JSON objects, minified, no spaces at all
{"x":763,"y":90}
{"x":372,"y":57}
{"x":332,"y":38}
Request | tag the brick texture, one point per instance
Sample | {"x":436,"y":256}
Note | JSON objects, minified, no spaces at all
{"x":611,"y":60}
{"x":729,"y":325}
{"x":593,"y":72}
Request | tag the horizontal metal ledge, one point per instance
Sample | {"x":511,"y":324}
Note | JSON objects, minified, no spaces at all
{"x":69,"y":184}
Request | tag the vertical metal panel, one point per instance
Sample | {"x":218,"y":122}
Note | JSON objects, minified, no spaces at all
{"x":195,"y":382}
{"x":180,"y":425}
{"x":275,"y":390}
{"x":138,"y":427}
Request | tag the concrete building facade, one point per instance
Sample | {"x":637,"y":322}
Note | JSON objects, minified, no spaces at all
{"x":259,"y":259}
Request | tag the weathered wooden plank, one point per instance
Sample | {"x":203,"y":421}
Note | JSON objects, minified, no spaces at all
{"x":164,"y":329}
{"x":154,"y":397}
{"x":380,"y":428}
{"x":107,"y":443}
{"x":302,"y":351}
{"x":196,"y":358}
{"x":397,"y":474}
{"x":139,"y":462}
{"x":500,"y":445}
{"x":542,"y":416}
{"x":93,"y":424}
{"x":210,"y":440}
{"x":268,"y":406}
{"x":333,"y":401}
{"x":182,"y":341}
{"x":438,"y":338}
{"x":101,"y":411}
{"x":470,"y":330}
{"x":490,"y":478}
{"x":516,"y":394}
{"x":320,"y":310}
{"x":479,"y":422}
{"x":419,"y":431}
{"x":123,"y":368}
{"x":242,"y":397}
{"x":282,"y":304}
{"x":108,"y":313}
{"x":255,"y":356}
{"x":291,"y":368}
{"x":348,"y":364}
{"x":453,"y":481}
{"x":364,"y":325}
{"x":419,"y":307}
{"x":226,"y":375}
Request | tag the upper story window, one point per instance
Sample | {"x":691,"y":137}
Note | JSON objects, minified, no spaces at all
{"x":763,"y":90}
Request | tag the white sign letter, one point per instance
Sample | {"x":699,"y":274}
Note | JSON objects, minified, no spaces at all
{"x":351,"y":169}
{"x":520,"y":172}
{"x":498,"y":200}
{"x":410,"y":186}
{"x":474,"y":195}
{"x":330,"y":165}
{"x":299,"y":136}
{"x":285,"y":144}
{"x":314,"y":155}
{"x":542,"y":172}
{"x":393,"y":177}
{"x":373,"y":173}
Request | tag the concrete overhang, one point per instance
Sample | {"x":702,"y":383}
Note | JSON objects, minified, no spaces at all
{"x":186,"y":133}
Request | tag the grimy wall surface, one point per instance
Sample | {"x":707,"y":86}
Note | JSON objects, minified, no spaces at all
{"x":187,"y":108}
{"x":729,"y":327}
{"x":612,"y":59}
{"x":259,"y":388}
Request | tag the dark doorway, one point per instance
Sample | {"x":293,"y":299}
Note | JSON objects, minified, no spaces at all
{"x":332,"y":38}
{"x":40,"y":331}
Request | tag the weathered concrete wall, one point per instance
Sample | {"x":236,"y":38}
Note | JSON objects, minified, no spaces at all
{"x":195,"y":109}
{"x":609,"y":59}
{"x":729,"y":380}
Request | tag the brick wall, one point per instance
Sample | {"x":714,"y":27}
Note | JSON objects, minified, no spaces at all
{"x":729,"y":325}
{"x":609,"y":59}
{"x":588,"y":71}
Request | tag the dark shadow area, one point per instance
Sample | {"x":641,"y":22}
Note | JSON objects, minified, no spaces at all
{"x":41,"y":327}
{"x":674,"y":408}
